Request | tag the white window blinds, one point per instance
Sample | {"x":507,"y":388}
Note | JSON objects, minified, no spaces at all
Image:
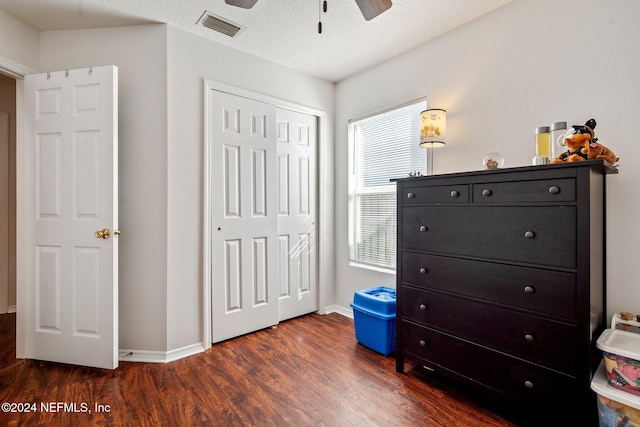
{"x":384,"y":146}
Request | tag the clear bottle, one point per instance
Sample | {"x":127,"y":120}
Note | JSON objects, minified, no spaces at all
{"x":558,"y":134}
{"x":543,"y":146}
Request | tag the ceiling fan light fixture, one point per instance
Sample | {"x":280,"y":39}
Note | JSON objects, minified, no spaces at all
{"x":372,"y":8}
{"x":245,"y":4}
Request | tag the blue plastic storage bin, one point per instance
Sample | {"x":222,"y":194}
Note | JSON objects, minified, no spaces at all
{"x":374,"y":317}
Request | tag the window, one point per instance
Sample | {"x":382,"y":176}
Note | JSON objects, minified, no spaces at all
{"x":383,"y":146}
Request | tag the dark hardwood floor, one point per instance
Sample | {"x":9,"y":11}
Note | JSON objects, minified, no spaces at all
{"x":308,"y":371}
{"x":8,"y":341}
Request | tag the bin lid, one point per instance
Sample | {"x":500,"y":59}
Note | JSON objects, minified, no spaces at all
{"x":600,"y":384}
{"x":622,"y":343}
{"x":381,"y":300}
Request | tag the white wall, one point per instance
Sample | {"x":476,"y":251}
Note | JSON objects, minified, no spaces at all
{"x":191,"y":60}
{"x":527,"y":64}
{"x":161,"y":90}
{"x":19,"y":53}
{"x":139,"y":52}
{"x":19,"y":43}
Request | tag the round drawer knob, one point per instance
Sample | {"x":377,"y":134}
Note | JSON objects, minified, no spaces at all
{"x":423,"y":307}
{"x":528,"y":384}
{"x":529,"y":234}
{"x":529,"y":337}
{"x":423,"y":343}
{"x":554,"y":190}
{"x":410,"y":195}
{"x":529,"y":289}
{"x":423,"y":228}
{"x":423,"y":270}
{"x":486,"y":192}
{"x":454,"y":193}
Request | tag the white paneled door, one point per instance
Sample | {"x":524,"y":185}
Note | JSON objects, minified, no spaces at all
{"x":71,"y":287}
{"x":244,"y":289}
{"x":263,"y":204}
{"x":297,"y":256}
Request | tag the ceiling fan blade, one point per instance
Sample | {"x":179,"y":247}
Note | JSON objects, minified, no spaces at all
{"x":245,"y":4}
{"x":372,"y":8}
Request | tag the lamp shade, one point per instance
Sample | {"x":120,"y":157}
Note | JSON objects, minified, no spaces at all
{"x":433,"y":128}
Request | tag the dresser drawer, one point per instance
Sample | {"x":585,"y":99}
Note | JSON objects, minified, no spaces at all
{"x":543,"y":235}
{"x":548,"y":190}
{"x":548,"y":292}
{"x":508,"y":375}
{"x":435,"y":194}
{"x":549,"y":343}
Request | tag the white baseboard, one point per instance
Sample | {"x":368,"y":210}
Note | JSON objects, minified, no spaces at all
{"x":126,"y":355}
{"x":11,"y":309}
{"x":347,"y":312}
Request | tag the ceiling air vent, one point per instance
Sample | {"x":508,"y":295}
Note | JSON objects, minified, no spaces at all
{"x":220,"y":25}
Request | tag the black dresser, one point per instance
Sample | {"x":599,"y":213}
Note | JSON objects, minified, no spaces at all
{"x":501,"y":280}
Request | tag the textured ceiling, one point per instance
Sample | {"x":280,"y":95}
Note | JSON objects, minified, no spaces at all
{"x":283,"y":31}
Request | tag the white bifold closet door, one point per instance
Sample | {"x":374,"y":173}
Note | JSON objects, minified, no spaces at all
{"x":297,"y":243}
{"x":263,"y":209}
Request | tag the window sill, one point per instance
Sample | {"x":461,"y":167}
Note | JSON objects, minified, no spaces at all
{"x":372,"y":267}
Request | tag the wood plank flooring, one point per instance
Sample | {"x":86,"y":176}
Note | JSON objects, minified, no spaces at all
{"x":309,"y":371}
{"x":7,"y":341}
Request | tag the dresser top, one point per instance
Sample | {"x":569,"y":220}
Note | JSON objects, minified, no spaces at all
{"x":601,"y":166}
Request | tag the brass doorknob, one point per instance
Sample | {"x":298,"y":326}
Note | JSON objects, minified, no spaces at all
{"x":103,"y":234}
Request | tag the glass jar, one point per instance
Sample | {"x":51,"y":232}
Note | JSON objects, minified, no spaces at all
{"x":543,"y":146}
{"x":558,"y":134}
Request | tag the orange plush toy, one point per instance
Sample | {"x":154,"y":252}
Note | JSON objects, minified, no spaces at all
{"x":583,"y":145}
{"x":599,"y":151}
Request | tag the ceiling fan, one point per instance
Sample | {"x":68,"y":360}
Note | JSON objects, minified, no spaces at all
{"x":369,"y":8}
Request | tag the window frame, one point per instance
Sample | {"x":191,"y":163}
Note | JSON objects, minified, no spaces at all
{"x":356,"y":191}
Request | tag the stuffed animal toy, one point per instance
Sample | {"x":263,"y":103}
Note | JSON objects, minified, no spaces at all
{"x":583,"y":145}
{"x":599,"y":151}
{"x":576,"y":148}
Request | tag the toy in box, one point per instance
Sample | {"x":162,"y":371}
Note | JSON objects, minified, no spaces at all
{"x":621,"y":350}
{"x":615,"y":407}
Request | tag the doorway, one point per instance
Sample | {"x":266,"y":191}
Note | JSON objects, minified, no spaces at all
{"x":7,"y":221}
